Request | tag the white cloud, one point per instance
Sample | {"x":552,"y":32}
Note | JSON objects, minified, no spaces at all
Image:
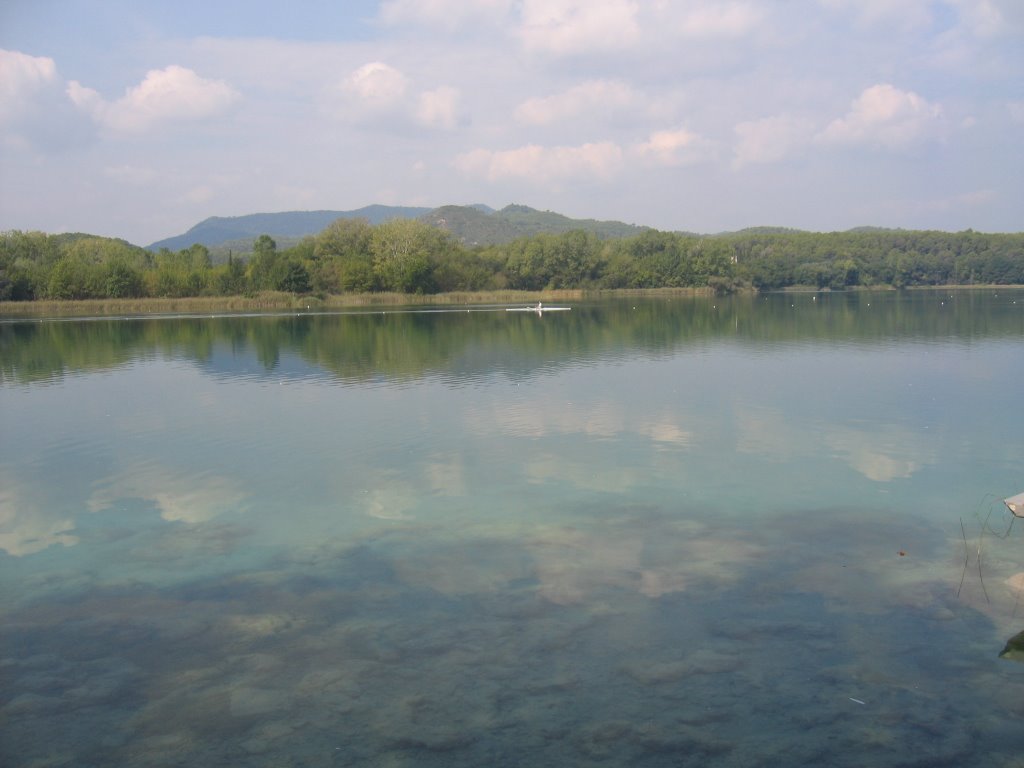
{"x":974,"y":41}
{"x":174,"y":94}
{"x":26,"y":525}
{"x":35,"y":111}
{"x":375,"y":94}
{"x":885,"y":116}
{"x":894,"y":454}
{"x":566,"y":27}
{"x":982,"y":18}
{"x":438,"y":108}
{"x":377,"y":85}
{"x":198,"y":195}
{"x":600,"y":160}
{"x":979,"y":18}
{"x":22,"y":77}
{"x":537,"y":418}
{"x":674,"y":147}
{"x":591,"y":96}
{"x":667,"y":432}
{"x":718,"y":20}
{"x":187,"y":497}
{"x":769,"y":139}
{"x":132,"y":174}
{"x":448,"y":14}
{"x":905,"y":13}
{"x":380,"y":95}
{"x":86,"y":99}
{"x":1016,"y":109}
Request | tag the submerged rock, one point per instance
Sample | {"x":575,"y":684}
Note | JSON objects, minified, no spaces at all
{"x":1014,"y":650}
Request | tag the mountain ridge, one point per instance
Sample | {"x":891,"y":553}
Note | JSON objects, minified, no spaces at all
{"x":217,"y":230}
{"x":475,"y":224}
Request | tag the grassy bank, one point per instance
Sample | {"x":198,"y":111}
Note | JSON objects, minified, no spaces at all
{"x":271,"y":302}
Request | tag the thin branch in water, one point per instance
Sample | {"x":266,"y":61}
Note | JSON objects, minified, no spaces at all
{"x":984,"y":527}
{"x":981,"y":539}
{"x":967,"y":557}
{"x":993,"y":501}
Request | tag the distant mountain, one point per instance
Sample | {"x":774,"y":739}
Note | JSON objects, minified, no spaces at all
{"x":761,"y":231}
{"x":476,"y":224}
{"x":866,"y":229}
{"x":471,"y":225}
{"x":220,"y":230}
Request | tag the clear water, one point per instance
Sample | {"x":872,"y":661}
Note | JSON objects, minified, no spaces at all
{"x":721,"y":532}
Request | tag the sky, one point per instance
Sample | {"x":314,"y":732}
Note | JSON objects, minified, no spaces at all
{"x":140,"y":119}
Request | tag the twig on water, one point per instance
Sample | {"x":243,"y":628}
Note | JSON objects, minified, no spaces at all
{"x":967,"y":556}
{"x":984,"y":528}
{"x":981,"y":538}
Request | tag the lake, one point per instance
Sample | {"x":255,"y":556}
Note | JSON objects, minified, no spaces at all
{"x":754,"y":530}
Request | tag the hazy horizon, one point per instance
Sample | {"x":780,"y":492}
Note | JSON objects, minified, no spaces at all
{"x":141,"y":120}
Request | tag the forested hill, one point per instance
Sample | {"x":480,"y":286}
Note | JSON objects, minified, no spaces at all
{"x":470,"y":224}
{"x":475,"y":225}
{"x":285,"y":226}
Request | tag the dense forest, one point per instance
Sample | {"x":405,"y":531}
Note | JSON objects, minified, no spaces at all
{"x":411,"y":256}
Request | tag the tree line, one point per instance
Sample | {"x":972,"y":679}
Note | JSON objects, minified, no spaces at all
{"x":411,"y":256}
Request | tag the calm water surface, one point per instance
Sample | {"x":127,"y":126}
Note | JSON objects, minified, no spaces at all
{"x":721,"y":532}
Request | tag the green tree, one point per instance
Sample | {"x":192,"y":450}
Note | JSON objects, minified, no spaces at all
{"x":229,"y":279}
{"x":845,"y":272}
{"x":402,"y":251}
{"x":344,"y":238}
{"x":527,"y":266}
{"x":122,"y":280}
{"x":263,"y":264}
{"x":16,"y":284}
{"x":711,"y":258}
{"x":183,"y":273}
{"x":570,"y":259}
{"x":342,"y":258}
{"x":355,"y":275}
{"x":198,"y":257}
{"x":73,"y":278}
{"x":294,"y":277}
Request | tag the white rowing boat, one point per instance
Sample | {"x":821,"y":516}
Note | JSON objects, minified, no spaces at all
{"x":539,"y":308}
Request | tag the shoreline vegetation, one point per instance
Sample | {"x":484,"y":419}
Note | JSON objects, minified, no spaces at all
{"x":352,"y":263}
{"x":277,"y":301}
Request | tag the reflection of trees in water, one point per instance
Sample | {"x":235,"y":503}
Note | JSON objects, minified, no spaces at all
{"x":408,"y":344}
